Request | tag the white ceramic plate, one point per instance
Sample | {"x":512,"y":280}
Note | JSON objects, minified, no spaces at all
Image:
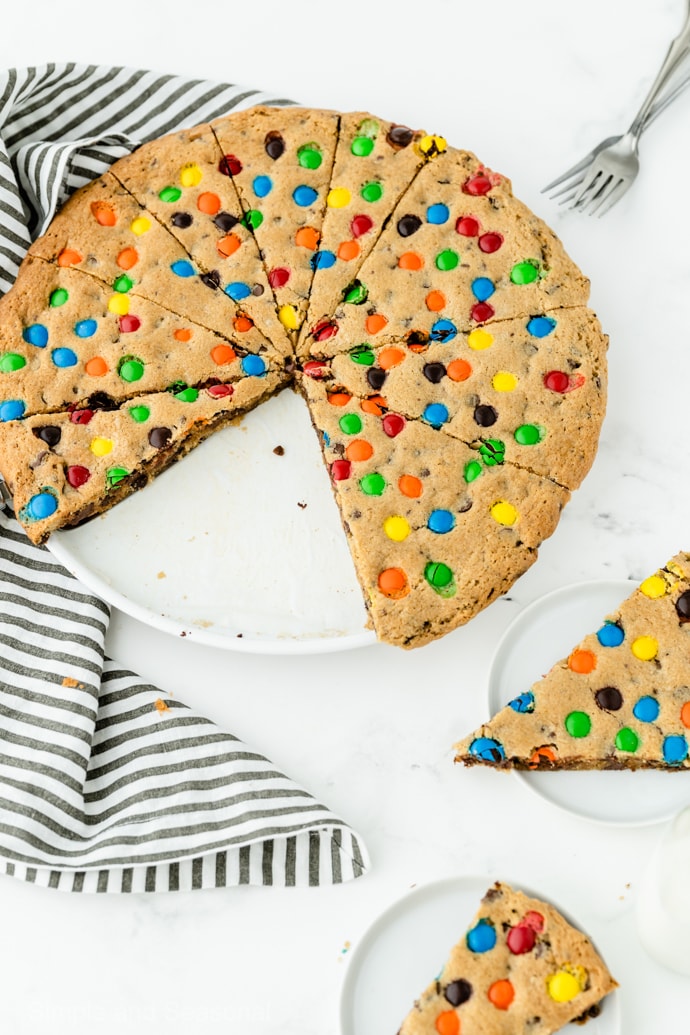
{"x":234,"y":547}
{"x":543,"y":633}
{"x":408,"y":945}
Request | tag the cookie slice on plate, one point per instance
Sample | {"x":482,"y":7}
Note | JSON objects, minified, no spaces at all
{"x":280,"y":160}
{"x":620,"y":700}
{"x":521,"y":967}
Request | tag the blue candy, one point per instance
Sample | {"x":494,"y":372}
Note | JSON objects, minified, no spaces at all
{"x":540,"y":326}
{"x":523,"y":702}
{"x":11,"y":409}
{"x":483,"y":288}
{"x":237,"y":291}
{"x":36,"y":335}
{"x":610,"y":635}
{"x":443,"y":330}
{"x":441,"y":521}
{"x":437,"y":214}
{"x":487,"y":749}
{"x":675,"y":749}
{"x":435,"y":414}
{"x":182,"y":268}
{"x":254,"y":366}
{"x":262,"y":186}
{"x":322,"y":260}
{"x":85,"y":328}
{"x":646,"y":709}
{"x":304,"y":196}
{"x":482,"y":937}
{"x":40,"y":506}
{"x":64,"y":357}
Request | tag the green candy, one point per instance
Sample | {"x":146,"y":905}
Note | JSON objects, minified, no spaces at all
{"x":362,"y":354}
{"x":131,"y":368}
{"x":12,"y":361}
{"x":140,"y":413}
{"x":472,"y":471}
{"x":440,"y":577}
{"x":356,"y":294}
{"x":525,"y":272}
{"x":187,"y":395}
{"x":58,"y":297}
{"x":492,"y":452}
{"x":123,"y":284}
{"x":114,"y":475}
{"x":361,"y":147}
{"x":528,"y":434}
{"x":252,"y":219}
{"x":372,"y":191}
{"x":372,"y":484}
{"x":447,"y":260}
{"x":578,"y":724}
{"x":350,"y":424}
{"x":309,"y":156}
{"x":627,"y":740}
{"x":170,"y":194}
{"x":368,"y":128}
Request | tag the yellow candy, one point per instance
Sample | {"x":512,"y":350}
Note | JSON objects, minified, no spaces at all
{"x":645,"y":648}
{"x":140,"y":225}
{"x":119,"y":304}
{"x":396,"y":528}
{"x":504,"y":513}
{"x":101,"y":446}
{"x":562,"y":986}
{"x":430,"y":146}
{"x":479,"y":339}
{"x":190,"y":175}
{"x":504,"y":382}
{"x":654,"y":587}
{"x":288,"y":317}
{"x":339,"y":197}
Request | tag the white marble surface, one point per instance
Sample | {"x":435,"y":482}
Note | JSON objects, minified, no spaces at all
{"x":529,"y":87}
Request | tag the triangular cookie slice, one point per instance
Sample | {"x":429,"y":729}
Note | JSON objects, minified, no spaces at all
{"x":281,"y":160}
{"x":61,"y":344}
{"x":105,"y":232}
{"x":182,"y":180}
{"x":620,"y":700}
{"x":375,"y":162}
{"x":461,"y":249}
{"x":419,"y":534}
{"x":521,"y":967}
{"x":63,"y":468}
{"x":531,"y":391}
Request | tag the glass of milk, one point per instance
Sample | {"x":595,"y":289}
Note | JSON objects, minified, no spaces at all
{"x":663,"y":902}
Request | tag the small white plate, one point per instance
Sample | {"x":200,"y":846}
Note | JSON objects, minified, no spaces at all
{"x":541,"y":635}
{"x":234,"y":547}
{"x":407,"y":946}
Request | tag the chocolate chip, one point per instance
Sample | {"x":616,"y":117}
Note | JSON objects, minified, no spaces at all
{"x":417,"y":338}
{"x":408,"y":225}
{"x":683,"y":606}
{"x":258,"y":289}
{"x":211,"y":280}
{"x":458,"y":992}
{"x":434,"y":372}
{"x":274,"y":144}
{"x":49,"y":433}
{"x":464,"y":505}
{"x":102,"y":401}
{"x":485,"y":416}
{"x":279,"y":450}
{"x":399,"y":137}
{"x":182,"y":220}
{"x":376,"y":378}
{"x":225,"y":221}
{"x":160,"y":437}
{"x":609,"y":698}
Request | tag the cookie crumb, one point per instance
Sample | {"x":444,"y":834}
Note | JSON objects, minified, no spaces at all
{"x":302,"y":506}
{"x":161,"y":575}
{"x":70,"y":681}
{"x":160,"y":705}
{"x":279,"y":451}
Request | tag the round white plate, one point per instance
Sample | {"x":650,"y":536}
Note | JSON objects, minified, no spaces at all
{"x":234,"y":547}
{"x":543,"y":633}
{"x":407,"y":946}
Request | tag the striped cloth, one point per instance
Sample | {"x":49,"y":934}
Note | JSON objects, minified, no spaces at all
{"x":106,"y":783}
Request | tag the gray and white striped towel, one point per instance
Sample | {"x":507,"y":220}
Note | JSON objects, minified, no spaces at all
{"x":106,"y":783}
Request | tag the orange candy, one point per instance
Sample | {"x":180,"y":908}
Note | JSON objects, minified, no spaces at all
{"x":228,"y":245}
{"x":435,"y":301}
{"x":242,"y":323}
{"x":410,"y":486}
{"x":685,"y":714}
{"x":103,"y":213}
{"x":96,"y":367}
{"x":541,"y":754}
{"x":127,"y":258}
{"x":339,"y":398}
{"x":582,"y":661}
{"x":208,"y":203}
{"x":375,"y":405}
{"x":348,"y":250}
{"x":393,"y":583}
{"x":458,"y":370}
{"x":375,"y":323}
{"x":307,"y":237}
{"x":182,"y":334}
{"x":501,"y":994}
{"x":359,"y":450}
{"x":390,"y":358}
{"x":69,"y":257}
{"x":222,"y":354}
{"x":448,"y":1023}
{"x":410,"y":261}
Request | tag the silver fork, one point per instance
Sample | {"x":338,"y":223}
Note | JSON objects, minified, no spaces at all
{"x":601,"y":179}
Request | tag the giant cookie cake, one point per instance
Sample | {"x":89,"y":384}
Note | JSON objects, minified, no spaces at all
{"x":434,"y":326}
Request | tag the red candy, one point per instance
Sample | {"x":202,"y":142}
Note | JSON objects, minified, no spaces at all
{"x":230,"y":166}
{"x":534,"y":920}
{"x":81,"y":416}
{"x":129,"y":323}
{"x":219,"y":391}
{"x":477,"y":185}
{"x":467,"y":226}
{"x":490,"y":243}
{"x":77,"y":475}
{"x":558,"y":381}
{"x":324,"y":330}
{"x":521,"y":939}
{"x":482,"y":311}
{"x":361,"y":225}
{"x":315,"y":369}
{"x":341,"y":470}
{"x":393,"y":424}
{"x":279,"y":277}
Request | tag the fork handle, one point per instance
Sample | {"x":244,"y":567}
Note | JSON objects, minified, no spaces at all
{"x":677,"y":52}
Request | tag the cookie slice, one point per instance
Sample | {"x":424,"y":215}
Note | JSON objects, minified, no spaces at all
{"x":531,"y":391}
{"x":105,"y":232}
{"x":281,"y":160}
{"x":620,"y":700}
{"x":461,"y":249}
{"x":61,"y":344}
{"x":63,"y":468}
{"x":182,"y":180}
{"x":521,"y":967}
{"x":430,"y":550}
{"x":375,"y":162}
